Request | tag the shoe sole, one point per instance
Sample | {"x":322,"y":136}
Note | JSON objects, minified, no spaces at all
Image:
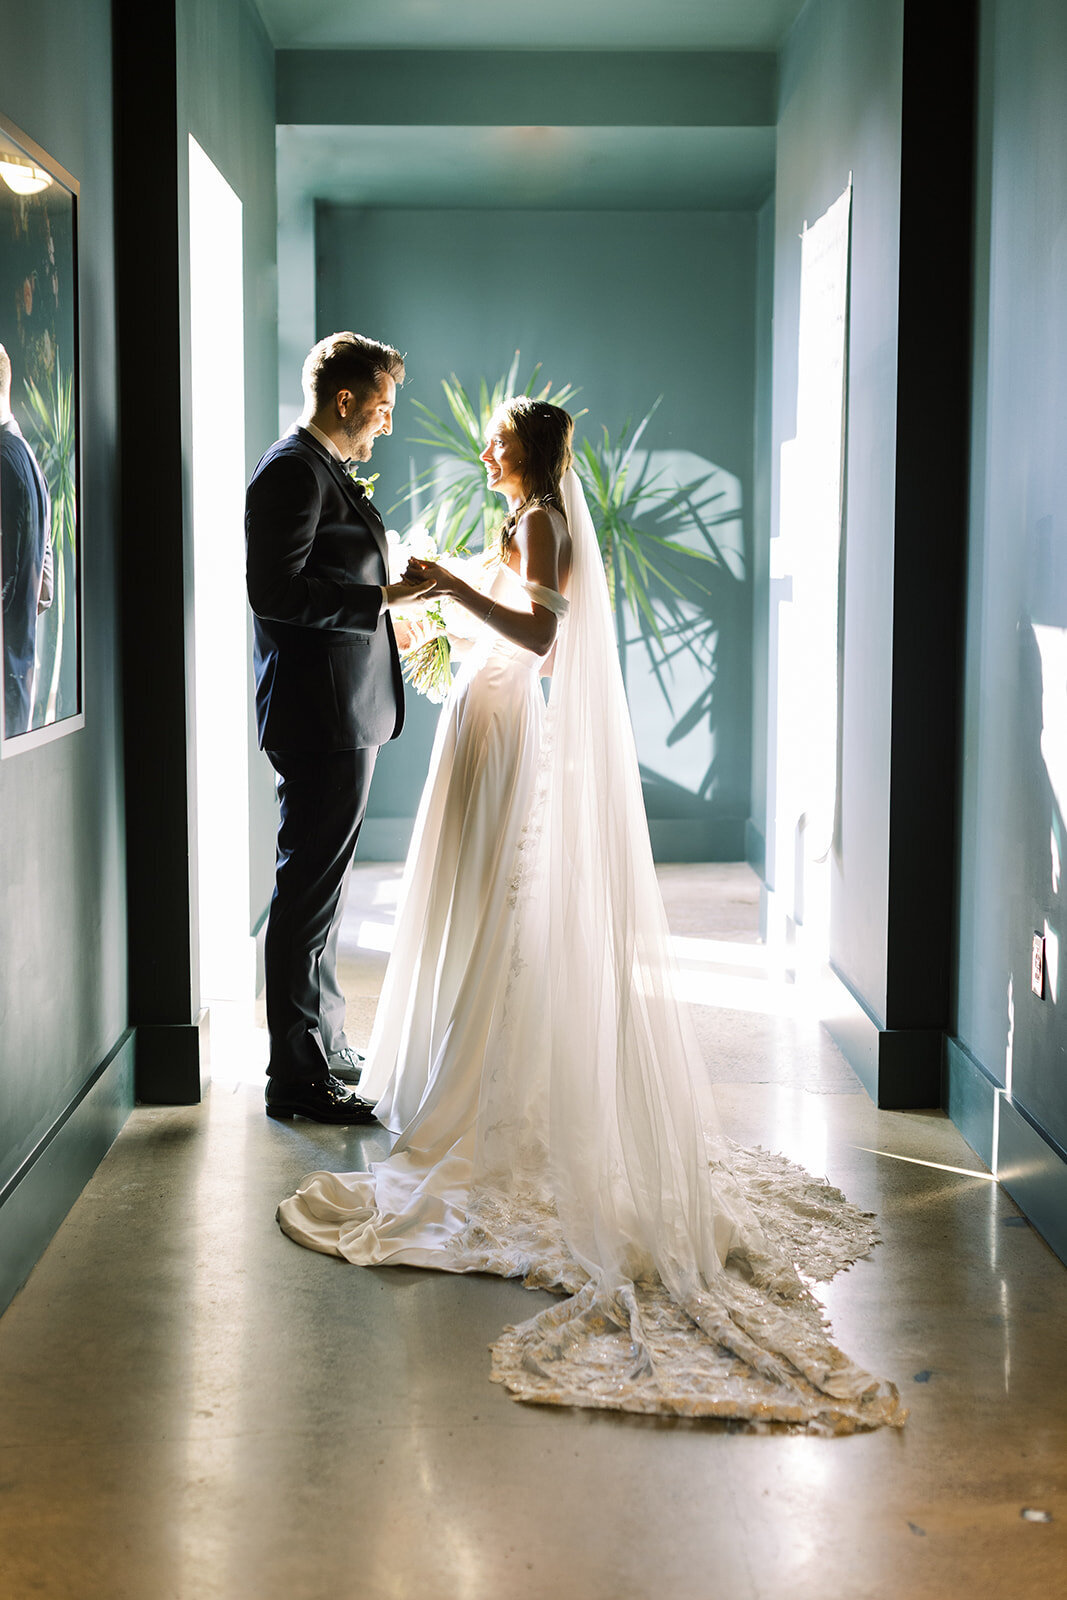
{"x":283,"y":1114}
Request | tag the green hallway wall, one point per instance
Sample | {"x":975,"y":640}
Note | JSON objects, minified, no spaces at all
{"x":62,"y":890}
{"x":1014,"y":826}
{"x":867,"y":94}
{"x":839,"y":113}
{"x":628,"y":306}
{"x":67,"y":1045}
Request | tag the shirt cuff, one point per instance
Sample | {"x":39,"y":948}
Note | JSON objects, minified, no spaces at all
{"x":384,"y":604}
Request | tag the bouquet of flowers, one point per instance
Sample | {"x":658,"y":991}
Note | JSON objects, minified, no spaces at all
{"x":430,"y":627}
{"x":427,"y":658}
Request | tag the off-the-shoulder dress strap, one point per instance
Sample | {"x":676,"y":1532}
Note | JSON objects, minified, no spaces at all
{"x":549,"y":598}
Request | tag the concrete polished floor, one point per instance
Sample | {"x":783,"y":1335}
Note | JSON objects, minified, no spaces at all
{"x":196,"y":1408}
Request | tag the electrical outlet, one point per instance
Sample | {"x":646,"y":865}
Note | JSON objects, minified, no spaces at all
{"x":1037,"y":966}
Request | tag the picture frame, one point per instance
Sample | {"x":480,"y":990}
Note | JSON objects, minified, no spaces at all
{"x":41,"y":557}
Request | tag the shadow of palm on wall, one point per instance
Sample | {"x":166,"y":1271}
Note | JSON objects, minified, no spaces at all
{"x":671,"y":530}
{"x":685,"y":652}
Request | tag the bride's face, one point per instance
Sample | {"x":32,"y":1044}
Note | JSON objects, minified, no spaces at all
{"x":503,"y":460}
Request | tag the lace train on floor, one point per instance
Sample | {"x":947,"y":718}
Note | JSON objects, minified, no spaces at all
{"x":754,"y":1347}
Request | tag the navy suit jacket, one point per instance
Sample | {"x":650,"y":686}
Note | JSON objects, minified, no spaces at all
{"x":25,"y":518}
{"x":326,"y":663}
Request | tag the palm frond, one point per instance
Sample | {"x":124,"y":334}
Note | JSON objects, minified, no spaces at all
{"x":657,"y":538}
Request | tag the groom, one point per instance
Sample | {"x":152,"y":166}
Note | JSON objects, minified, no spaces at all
{"x":329,"y":692}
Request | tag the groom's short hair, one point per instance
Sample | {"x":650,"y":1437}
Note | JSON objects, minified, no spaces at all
{"x":348,"y":361}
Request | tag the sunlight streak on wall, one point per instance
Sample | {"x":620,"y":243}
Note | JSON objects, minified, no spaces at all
{"x":1052,"y":644}
{"x":227,"y":950}
{"x":1009,"y":1048}
{"x":805,"y":574}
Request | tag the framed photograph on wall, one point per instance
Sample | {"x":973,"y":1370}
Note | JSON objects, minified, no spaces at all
{"x":40,"y":537}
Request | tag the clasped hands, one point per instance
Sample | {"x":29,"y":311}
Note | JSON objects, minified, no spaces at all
{"x":419,"y":581}
{"x":438,"y":578}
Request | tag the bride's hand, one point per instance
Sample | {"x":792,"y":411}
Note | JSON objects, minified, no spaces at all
{"x":441,"y":580}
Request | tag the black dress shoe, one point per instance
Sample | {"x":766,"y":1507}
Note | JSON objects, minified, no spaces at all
{"x":321,"y":1101}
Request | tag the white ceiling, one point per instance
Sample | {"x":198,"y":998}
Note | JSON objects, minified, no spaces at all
{"x":530,"y":24}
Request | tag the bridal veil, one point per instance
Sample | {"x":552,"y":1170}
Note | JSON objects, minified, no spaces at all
{"x":599,"y":1166}
{"x":555,"y":1115}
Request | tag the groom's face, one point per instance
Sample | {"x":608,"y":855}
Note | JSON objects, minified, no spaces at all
{"x":362,"y":421}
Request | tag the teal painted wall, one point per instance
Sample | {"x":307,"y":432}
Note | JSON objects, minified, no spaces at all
{"x":62,"y":890}
{"x":522,"y":88}
{"x":629,"y":306}
{"x":839,"y":113}
{"x":64,"y":993}
{"x":1014,"y":816}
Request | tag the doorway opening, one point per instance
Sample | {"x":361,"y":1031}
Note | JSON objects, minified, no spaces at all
{"x":227,"y":968}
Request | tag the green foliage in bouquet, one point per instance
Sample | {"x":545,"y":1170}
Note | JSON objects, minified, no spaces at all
{"x":427,"y":663}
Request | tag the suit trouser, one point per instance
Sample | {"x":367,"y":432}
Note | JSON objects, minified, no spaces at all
{"x":331,"y":1000}
{"x":323,"y":799}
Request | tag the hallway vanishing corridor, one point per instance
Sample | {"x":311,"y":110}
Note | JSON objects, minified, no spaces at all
{"x":195,"y":1408}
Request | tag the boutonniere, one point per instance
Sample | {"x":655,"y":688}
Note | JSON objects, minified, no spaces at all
{"x":366,"y":484}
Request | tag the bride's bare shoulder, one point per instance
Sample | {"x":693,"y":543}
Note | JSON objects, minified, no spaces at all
{"x":542,"y":527}
{"x":543,"y":543}
{"x":540,"y":520}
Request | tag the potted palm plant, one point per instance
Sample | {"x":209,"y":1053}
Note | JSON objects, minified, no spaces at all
{"x":655,"y":537}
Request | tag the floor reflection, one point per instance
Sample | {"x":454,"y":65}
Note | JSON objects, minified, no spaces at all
{"x":197,"y":1407}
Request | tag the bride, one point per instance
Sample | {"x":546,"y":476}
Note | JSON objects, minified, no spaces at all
{"x":553,"y":1114}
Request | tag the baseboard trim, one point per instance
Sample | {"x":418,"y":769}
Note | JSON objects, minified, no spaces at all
{"x":689,"y":839}
{"x":38,"y":1196}
{"x":900,"y":1068}
{"x":856,"y":1033}
{"x":169,"y":1062}
{"x":755,"y":848}
{"x":1028,"y":1165}
{"x":909,"y":1068}
{"x":969,"y":1094}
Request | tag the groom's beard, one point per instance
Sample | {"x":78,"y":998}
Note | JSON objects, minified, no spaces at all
{"x":359,"y":441}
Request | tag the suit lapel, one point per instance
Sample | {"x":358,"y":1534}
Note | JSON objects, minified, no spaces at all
{"x":357,"y":498}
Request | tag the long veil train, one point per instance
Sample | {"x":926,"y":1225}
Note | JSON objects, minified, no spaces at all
{"x":593,"y":1162}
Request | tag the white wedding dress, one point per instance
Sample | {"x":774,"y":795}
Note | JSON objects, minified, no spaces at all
{"x":553,"y":1114}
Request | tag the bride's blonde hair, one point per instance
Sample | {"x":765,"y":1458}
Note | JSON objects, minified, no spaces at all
{"x":543,"y":433}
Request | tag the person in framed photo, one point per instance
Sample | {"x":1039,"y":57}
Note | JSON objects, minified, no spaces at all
{"x":25,"y":558}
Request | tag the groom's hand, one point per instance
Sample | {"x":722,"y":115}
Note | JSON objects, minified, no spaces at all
{"x":402,"y":594}
{"x":439,"y":578}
